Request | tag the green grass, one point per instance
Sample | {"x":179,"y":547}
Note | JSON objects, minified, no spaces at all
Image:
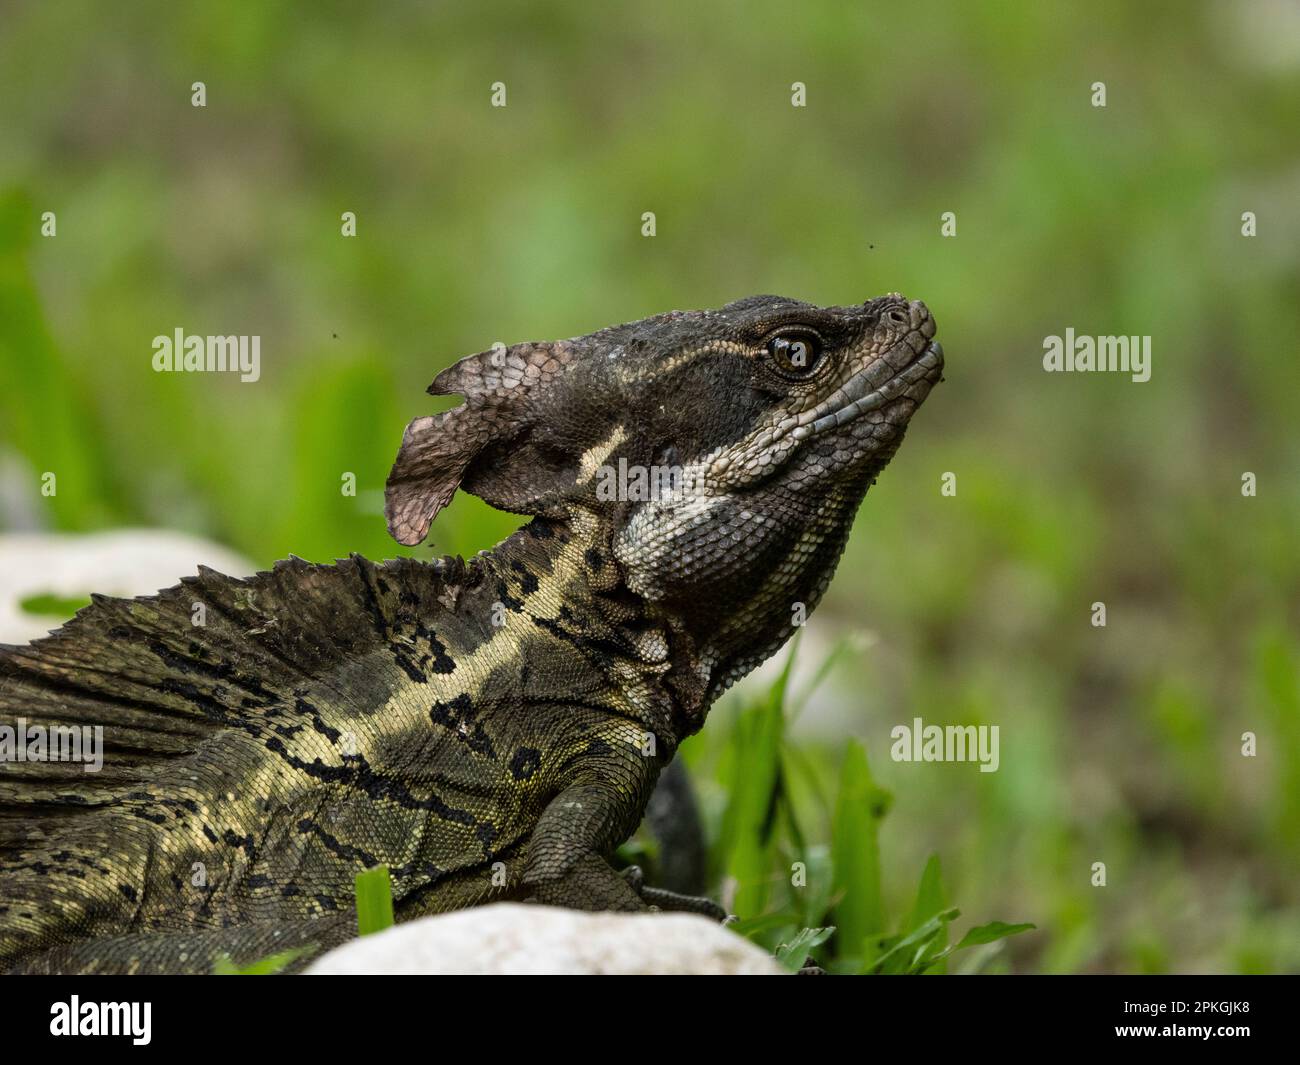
{"x":53,"y":605}
{"x":800,"y":876}
{"x":374,"y":900}
{"x":272,"y":965}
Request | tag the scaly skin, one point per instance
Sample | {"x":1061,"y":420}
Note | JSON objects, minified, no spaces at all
{"x":489,"y":730}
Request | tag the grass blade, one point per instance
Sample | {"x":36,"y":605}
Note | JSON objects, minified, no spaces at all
{"x":374,"y":900}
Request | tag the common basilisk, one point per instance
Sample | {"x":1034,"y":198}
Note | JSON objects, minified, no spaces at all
{"x":489,"y":729}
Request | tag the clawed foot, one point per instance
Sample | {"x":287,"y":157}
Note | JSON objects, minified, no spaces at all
{"x":662,"y":899}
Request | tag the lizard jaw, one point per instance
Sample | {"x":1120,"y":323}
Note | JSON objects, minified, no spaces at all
{"x":925,"y":367}
{"x":876,"y":386}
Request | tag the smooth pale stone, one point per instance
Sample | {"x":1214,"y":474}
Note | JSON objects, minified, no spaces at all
{"x":125,"y":562}
{"x":513,"y":938}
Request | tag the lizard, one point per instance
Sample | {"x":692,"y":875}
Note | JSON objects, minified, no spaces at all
{"x":488,"y":729}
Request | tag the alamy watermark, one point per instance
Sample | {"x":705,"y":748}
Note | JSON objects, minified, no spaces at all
{"x":75,"y":1017}
{"x":1082,"y":354}
{"x":21,"y":742}
{"x":179,"y":353}
{"x":629,"y":483}
{"x":920,"y":742}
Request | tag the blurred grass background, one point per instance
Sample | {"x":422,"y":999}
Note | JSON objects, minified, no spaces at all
{"x":478,"y":224}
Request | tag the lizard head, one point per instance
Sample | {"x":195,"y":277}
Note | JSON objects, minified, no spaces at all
{"x":724,"y":453}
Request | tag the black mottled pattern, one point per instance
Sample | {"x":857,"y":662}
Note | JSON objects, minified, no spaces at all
{"x":329,"y":718}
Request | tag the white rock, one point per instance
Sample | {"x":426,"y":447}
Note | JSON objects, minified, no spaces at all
{"x":125,"y":562}
{"x":512,"y":938}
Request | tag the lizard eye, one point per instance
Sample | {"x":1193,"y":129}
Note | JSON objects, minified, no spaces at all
{"x":795,"y":355}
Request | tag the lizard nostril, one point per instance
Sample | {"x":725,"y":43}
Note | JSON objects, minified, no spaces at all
{"x":922,"y":319}
{"x":896,"y":316}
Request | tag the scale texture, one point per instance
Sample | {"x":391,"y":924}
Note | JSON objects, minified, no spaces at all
{"x":490,"y":730}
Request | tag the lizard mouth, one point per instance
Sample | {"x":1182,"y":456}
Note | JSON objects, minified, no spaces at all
{"x":872,"y":389}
